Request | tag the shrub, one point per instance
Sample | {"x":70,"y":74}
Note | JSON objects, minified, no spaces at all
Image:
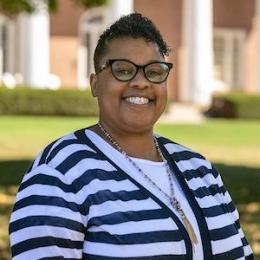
{"x":235,"y":105}
{"x":28,"y":101}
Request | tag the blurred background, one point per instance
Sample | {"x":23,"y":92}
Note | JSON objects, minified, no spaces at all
{"x":46,"y":53}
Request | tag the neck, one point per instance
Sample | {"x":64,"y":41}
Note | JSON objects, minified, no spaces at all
{"x":139,"y":145}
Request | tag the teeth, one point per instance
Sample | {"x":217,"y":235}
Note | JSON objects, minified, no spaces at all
{"x":137,"y":100}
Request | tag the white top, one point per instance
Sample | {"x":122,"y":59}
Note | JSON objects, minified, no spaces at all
{"x":158,"y":173}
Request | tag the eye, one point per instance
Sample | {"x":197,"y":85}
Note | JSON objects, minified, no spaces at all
{"x":123,"y":68}
{"x":154,"y":73}
{"x":123,"y":71}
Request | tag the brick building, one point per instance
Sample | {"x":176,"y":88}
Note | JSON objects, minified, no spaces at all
{"x":215,"y":43}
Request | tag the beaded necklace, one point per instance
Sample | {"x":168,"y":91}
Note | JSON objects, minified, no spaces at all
{"x":172,"y":199}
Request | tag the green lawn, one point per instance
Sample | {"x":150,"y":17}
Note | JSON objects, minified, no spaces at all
{"x":233,"y":145}
{"x":235,"y":142}
{"x":226,"y":141}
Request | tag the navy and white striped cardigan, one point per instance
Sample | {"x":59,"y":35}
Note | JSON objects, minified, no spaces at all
{"x":75,"y":203}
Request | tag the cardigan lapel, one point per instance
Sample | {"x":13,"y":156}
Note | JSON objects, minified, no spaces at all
{"x":122,"y":167}
{"x":176,"y":164}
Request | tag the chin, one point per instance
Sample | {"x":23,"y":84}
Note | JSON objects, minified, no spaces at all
{"x":140,"y":126}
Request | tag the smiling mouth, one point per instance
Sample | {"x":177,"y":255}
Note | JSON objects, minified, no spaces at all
{"x":137,"y":100}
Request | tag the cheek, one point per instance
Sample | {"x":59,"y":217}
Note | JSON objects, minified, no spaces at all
{"x":107,"y":95}
{"x":162,"y":95}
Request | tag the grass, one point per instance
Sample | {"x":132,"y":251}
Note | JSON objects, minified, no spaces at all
{"x":220,"y":140}
{"x":23,"y":137}
{"x":225,"y":141}
{"x":234,"y":147}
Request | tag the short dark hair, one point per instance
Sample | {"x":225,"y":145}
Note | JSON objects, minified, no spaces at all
{"x":134,"y":25}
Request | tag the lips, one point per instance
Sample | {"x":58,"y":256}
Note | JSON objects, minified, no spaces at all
{"x":137,"y":100}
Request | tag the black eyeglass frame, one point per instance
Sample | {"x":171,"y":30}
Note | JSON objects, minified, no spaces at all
{"x":110,"y":62}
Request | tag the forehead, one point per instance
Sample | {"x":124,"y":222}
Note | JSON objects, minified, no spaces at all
{"x":137,"y":50}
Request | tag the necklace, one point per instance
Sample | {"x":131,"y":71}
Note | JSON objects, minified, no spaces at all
{"x":172,"y":199}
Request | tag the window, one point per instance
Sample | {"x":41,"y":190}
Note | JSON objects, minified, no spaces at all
{"x":229,"y":56}
{"x":92,"y":23}
{"x":7,"y":45}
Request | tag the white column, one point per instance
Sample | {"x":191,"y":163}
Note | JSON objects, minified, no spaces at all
{"x":11,"y":58}
{"x":1,"y":48}
{"x":257,"y":56}
{"x":197,"y":72}
{"x":121,"y":7}
{"x":35,"y":46}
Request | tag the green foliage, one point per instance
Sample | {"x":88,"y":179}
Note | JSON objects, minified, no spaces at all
{"x":235,"y":105}
{"x":91,"y":3}
{"x":52,"y":5}
{"x":14,"y":7}
{"x":27,"y":101}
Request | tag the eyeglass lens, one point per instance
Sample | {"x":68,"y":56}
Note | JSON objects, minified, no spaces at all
{"x":156,"y":72}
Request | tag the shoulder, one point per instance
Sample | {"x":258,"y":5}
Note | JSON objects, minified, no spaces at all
{"x":179,"y":151}
{"x":191,"y":163}
{"x":199,"y":173}
{"x":64,"y":151}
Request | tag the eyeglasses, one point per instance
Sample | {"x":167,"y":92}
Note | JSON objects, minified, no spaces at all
{"x":125,"y":70}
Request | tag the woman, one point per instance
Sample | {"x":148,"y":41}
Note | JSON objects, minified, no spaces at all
{"x":117,"y":191}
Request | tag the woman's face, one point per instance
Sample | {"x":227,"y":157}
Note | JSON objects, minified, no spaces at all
{"x":133,"y":106}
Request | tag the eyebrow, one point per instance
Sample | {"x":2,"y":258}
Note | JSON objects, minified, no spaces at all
{"x":151,"y":61}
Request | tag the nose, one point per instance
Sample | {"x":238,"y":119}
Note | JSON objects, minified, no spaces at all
{"x":139,"y":80}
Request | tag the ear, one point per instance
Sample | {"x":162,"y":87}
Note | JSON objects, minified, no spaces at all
{"x":93,"y":84}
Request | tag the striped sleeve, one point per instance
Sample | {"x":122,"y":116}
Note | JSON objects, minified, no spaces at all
{"x":47,"y":220}
{"x":234,"y":214}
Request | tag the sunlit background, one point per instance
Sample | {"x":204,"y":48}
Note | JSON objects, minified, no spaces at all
{"x":46,"y":53}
